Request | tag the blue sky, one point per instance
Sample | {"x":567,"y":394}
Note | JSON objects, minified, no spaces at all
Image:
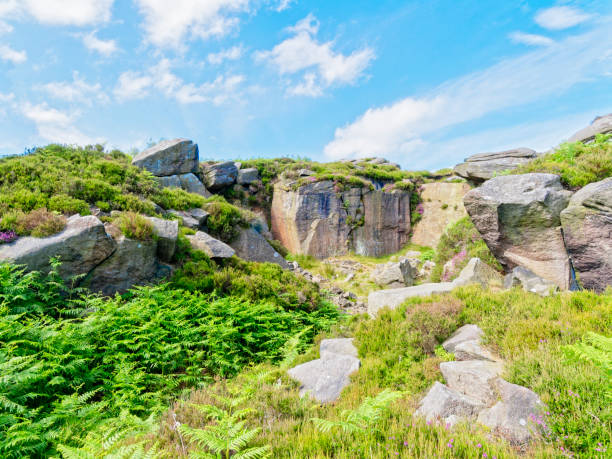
{"x":423,"y":83}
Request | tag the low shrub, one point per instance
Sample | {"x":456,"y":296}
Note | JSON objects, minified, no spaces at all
{"x":67,"y":205}
{"x":279,"y":247}
{"x":178,"y":199}
{"x":37,"y":223}
{"x":225,"y":220}
{"x":134,"y":226}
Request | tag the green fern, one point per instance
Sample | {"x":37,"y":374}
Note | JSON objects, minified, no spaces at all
{"x":595,"y":349}
{"x":364,"y":417}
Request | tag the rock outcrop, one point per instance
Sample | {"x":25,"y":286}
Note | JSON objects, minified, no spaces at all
{"x":252,"y":246}
{"x":169,"y":157}
{"x":247,"y":176}
{"x":220,"y":175}
{"x":166,"y":232}
{"x":317,"y":219}
{"x":474,"y":390}
{"x":600,"y":125}
{"x":188,"y":182}
{"x":394,"y":274}
{"x":81,"y":246}
{"x":324,"y":378}
{"x":587,"y":230}
{"x":485,"y":166}
{"x":212,"y":247}
{"x":442,"y":204}
{"x":518,"y":217}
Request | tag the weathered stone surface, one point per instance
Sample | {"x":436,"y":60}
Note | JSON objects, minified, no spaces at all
{"x":392,"y":298}
{"x":81,"y":246}
{"x":473,"y":350}
{"x":472,"y":378}
{"x":337,"y":346}
{"x":442,"y":204}
{"x":485,"y":166}
{"x":600,"y":125}
{"x":167,"y":235}
{"x":248,"y":176}
{"x":220,"y":175}
{"x":468,"y":332}
{"x":518,"y":217}
{"x":478,"y":272}
{"x":169,"y":157}
{"x":210,"y":246}
{"x":324,"y":379}
{"x":587,"y":230}
{"x":188,"y":182}
{"x":442,"y":402}
{"x":525,"y":278}
{"x":516,"y":416}
{"x":252,"y":246}
{"x":317,"y":220}
{"x":192,"y":218}
{"x":394,"y":274}
{"x":133,"y":263}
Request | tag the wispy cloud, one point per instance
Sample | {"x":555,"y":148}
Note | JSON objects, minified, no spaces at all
{"x":230,"y":54}
{"x":398,"y":129}
{"x":134,"y":85}
{"x":530,"y":39}
{"x":171,"y":24}
{"x":104,"y":47}
{"x":11,"y":55}
{"x":561,"y":17}
{"x":283,"y":5}
{"x":77,"y":90}
{"x":318,"y":64}
{"x":59,"y":12}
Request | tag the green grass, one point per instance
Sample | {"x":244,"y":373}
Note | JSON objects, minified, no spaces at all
{"x":134,"y":226}
{"x":576,"y":163}
{"x":225,"y":220}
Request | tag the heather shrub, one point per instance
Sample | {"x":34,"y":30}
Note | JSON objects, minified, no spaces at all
{"x":134,"y":226}
{"x":67,"y":205}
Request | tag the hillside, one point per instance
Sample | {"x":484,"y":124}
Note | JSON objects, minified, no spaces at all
{"x":163,"y":306}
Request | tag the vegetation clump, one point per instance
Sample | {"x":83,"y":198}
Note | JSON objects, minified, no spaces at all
{"x":36,"y":223}
{"x":577,"y":164}
{"x":225,"y":220}
{"x":134,"y":226}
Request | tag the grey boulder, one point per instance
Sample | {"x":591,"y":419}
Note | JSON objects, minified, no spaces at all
{"x":341,"y":346}
{"x":252,"y":246}
{"x":468,"y":332}
{"x":466,"y":344}
{"x":220,"y":175}
{"x":210,"y":246}
{"x":192,"y":218}
{"x":166,"y":232}
{"x":394,"y":275}
{"x":169,"y":157}
{"x":587,"y":230}
{"x":441,"y":402}
{"x":81,"y":246}
{"x":518,"y":216}
{"x":247,"y":176}
{"x":600,"y":125}
{"x":472,"y":378}
{"x":188,"y":182}
{"x":517,"y":416}
{"x":478,"y":272}
{"x":485,"y":166}
{"x":392,"y":298}
{"x":526,"y":279}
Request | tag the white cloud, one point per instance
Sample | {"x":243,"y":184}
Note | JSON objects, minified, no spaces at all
{"x":230,"y":54}
{"x":530,"y":39}
{"x":56,"y":126}
{"x":322,"y":65}
{"x":59,"y":12}
{"x":133,"y":85}
{"x":560,"y":17}
{"x":170,"y":24}
{"x":283,"y":5}
{"x":104,"y":47}
{"x":78,"y":90}
{"x":5,"y":28}
{"x":395,"y":129}
{"x":9,"y":54}
{"x":6,"y":97}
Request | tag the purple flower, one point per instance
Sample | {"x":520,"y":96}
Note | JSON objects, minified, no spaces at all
{"x":7,"y":236}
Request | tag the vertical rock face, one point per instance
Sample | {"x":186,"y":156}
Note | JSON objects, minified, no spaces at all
{"x":442,"y":204}
{"x":316,"y":219}
{"x":518,"y":216}
{"x":587,"y":230}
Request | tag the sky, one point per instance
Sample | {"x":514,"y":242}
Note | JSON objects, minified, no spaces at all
{"x":421,"y":83}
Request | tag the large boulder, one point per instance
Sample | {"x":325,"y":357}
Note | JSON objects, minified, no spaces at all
{"x":587,"y":230}
{"x":252,"y":246}
{"x":518,"y":216}
{"x":220,"y":175}
{"x":166,"y":232}
{"x":466,"y":344}
{"x":526,"y":279}
{"x":169,"y":157}
{"x":318,"y":219}
{"x":441,"y":403}
{"x":133,"y":263}
{"x":188,"y":182}
{"x":324,"y":378}
{"x":210,"y":246}
{"x":485,"y":166}
{"x":600,"y":125}
{"x":518,"y":416}
{"x":478,"y":272}
{"x":394,"y":274}
{"x":441,"y":205}
{"x":81,"y":246}
{"x":472,"y":378}
{"x":392,"y":298}
{"x":247,"y":176}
